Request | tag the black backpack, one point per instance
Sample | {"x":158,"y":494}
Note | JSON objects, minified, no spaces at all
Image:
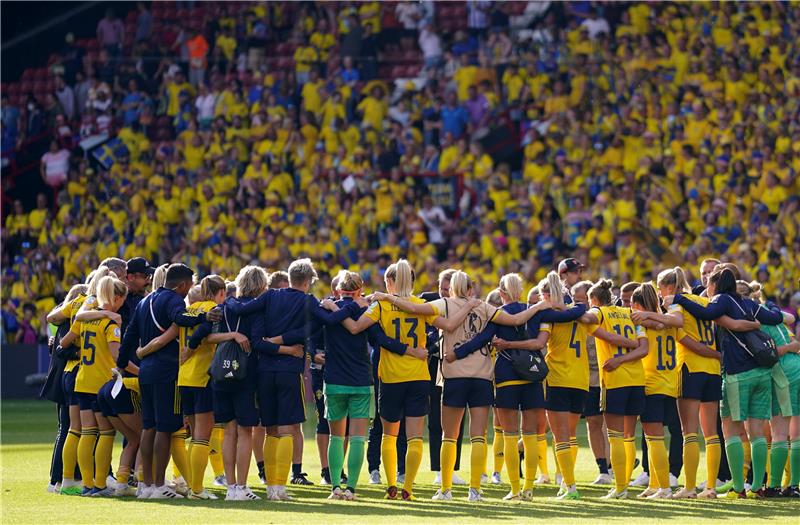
{"x":51,"y":389}
{"x":230,"y":360}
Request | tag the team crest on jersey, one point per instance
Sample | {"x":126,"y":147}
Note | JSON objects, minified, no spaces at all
{"x":235,"y":364}
{"x":318,"y":394}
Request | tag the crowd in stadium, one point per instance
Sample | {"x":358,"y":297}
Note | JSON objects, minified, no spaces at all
{"x":262,"y":132}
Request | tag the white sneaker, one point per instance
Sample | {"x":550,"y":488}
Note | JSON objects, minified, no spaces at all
{"x":673,"y":481}
{"x":401,"y":478}
{"x":232,"y":493}
{"x":559,"y":479}
{"x":615,"y":494}
{"x":245,"y":494}
{"x":662,"y":494}
{"x":142,"y":491}
{"x":642,"y":480}
{"x":513,"y":496}
{"x":646,"y":493}
{"x":603,"y":479}
{"x":747,"y":487}
{"x":324,"y":482}
{"x":124,"y":490}
{"x":349,"y":495}
{"x":203,"y":494}
{"x":336,"y":493}
{"x":458,"y":480}
{"x":437,"y":479}
{"x":111,"y":481}
{"x":53,"y":488}
{"x":220,"y":481}
{"x":474,"y":495}
{"x":180,"y":486}
{"x":683,"y":493}
{"x":526,"y":495}
{"x":163,"y":492}
{"x":447,"y":495}
{"x":105,"y":493}
{"x":496,"y":480}
{"x":280,"y":492}
{"x":272,"y":494}
{"x":708,"y":494}
{"x":484,"y":479}
{"x":542,"y":480}
{"x":375,"y":477}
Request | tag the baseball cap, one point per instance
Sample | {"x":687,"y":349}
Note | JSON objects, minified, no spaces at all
{"x":140,"y":265}
{"x":570,"y":265}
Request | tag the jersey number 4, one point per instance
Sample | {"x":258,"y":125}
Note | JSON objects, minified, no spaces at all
{"x":88,"y":345}
{"x":412,"y":323}
{"x":575,"y":345}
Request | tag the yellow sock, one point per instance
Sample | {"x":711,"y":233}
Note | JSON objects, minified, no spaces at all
{"x":531,"y":447}
{"x":215,"y":457}
{"x":618,"y":459}
{"x":198,"y":460}
{"x":659,"y":463}
{"x":768,"y":467}
{"x":691,"y":460}
{"x":748,"y":457}
{"x":389,"y":459}
{"x":86,"y":455}
{"x":102,"y":457}
{"x":573,"y":446}
{"x":555,"y":455}
{"x":541,"y":446}
{"x":270,"y":459}
{"x":123,"y":474}
{"x":565,"y":462}
{"x":413,"y":461}
{"x":283,"y":457}
{"x":69,"y":454}
{"x":498,"y":450}
{"x":511,"y":454}
{"x":447,"y":453}
{"x":477,"y":461}
{"x":180,"y":457}
{"x":630,"y":456}
{"x":713,"y":457}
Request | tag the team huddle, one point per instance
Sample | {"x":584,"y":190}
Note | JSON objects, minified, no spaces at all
{"x":222,"y":364}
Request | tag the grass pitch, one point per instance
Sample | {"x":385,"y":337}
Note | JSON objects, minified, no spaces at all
{"x":29,"y":427}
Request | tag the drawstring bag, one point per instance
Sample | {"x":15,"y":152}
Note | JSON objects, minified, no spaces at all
{"x":230,"y":360}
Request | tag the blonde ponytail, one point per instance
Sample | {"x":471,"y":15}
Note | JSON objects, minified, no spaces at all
{"x":109,"y":288}
{"x":674,"y":277}
{"x":210,"y":286}
{"x":460,"y":285}
{"x":511,"y":285}
{"x":402,"y":275}
{"x":97,"y":276}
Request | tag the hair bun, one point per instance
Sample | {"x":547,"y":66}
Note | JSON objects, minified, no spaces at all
{"x":606,"y":284}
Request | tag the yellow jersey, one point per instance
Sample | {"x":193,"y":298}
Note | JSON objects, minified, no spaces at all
{"x":702,"y":332}
{"x":406,"y":328}
{"x":661,"y":371}
{"x":194,"y":372}
{"x":566,"y":355}
{"x":71,"y":310}
{"x":617,"y":319}
{"x":96,"y":359}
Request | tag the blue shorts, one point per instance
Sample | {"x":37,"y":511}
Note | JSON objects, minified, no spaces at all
{"x":623,"y":401}
{"x":463,"y":392}
{"x":405,"y":399}
{"x":237,"y":404}
{"x":161,"y":407}
{"x":520,"y":397}
{"x":592,"y":407}
{"x":700,"y":385}
{"x":658,"y":408}
{"x":104,"y":400}
{"x":318,"y":384}
{"x":281,"y":398}
{"x":565,"y":399}
{"x":68,"y":384}
{"x":197,"y":399}
{"x":87,"y":401}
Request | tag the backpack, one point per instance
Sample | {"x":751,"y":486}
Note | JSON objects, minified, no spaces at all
{"x":230,"y":360}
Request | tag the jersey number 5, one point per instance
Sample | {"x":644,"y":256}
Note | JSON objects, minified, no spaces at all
{"x":88,"y":345}
{"x":412,"y":323}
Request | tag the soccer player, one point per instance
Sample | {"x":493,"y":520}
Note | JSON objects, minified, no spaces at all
{"x":348,"y":385}
{"x":158,"y":374}
{"x":661,"y":389}
{"x":99,"y":342}
{"x":622,"y":378}
{"x":785,"y":423}
{"x":595,"y":426}
{"x":746,"y":387}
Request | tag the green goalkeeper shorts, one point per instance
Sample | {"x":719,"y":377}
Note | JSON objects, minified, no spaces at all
{"x":747,"y":395}
{"x":343,"y":401}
